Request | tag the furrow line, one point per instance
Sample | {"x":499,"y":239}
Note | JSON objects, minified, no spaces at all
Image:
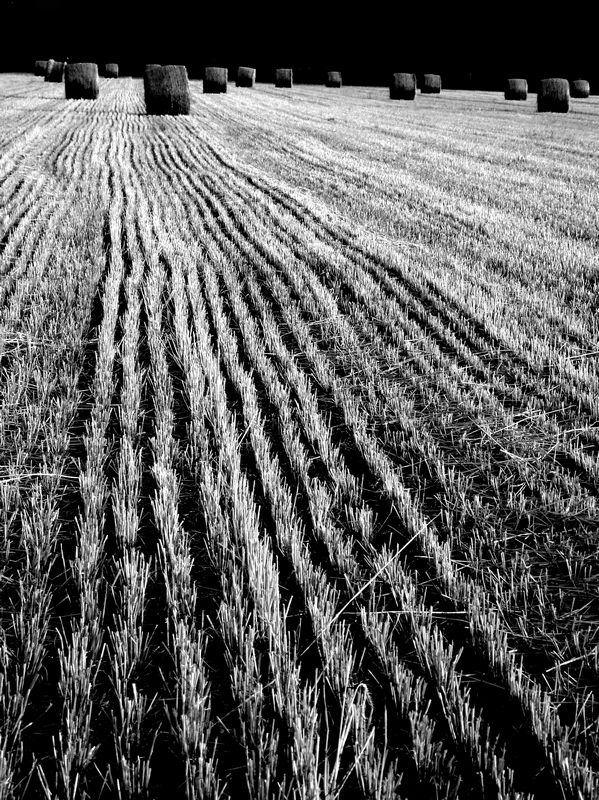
{"x":250,"y":428}
{"x":35,"y":449}
{"x":190,"y":714}
{"x":268,"y":740}
{"x":444,"y":479}
{"x":530,"y":701}
{"x":442,"y":305}
{"x":81,"y":646}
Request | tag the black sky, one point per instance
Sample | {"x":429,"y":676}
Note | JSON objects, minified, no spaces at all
{"x":368,"y":39}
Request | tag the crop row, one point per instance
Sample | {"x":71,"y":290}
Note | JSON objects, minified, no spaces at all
{"x":284,"y":514}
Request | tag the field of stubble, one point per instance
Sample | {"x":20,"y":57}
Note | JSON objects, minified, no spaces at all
{"x":299,"y":436}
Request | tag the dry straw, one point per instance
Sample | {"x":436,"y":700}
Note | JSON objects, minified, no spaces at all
{"x":166,"y":90}
{"x":81,"y":81}
{"x":215,"y":80}
{"x":54,"y":71}
{"x":516,"y":89}
{"x":284,"y":78}
{"x":39,"y":68}
{"x":146,"y":68}
{"x":580,"y":89}
{"x":246,"y":77}
{"x":431,"y":84}
{"x":111,"y":70}
{"x":554,"y":95}
{"x":403,"y":86}
{"x":333,"y":80}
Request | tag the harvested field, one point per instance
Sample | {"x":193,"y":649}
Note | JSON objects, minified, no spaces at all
{"x":299,"y":435}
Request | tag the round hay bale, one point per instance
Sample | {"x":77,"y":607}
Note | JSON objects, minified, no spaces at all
{"x":166,"y":90}
{"x":246,"y":77}
{"x":54,"y":71}
{"x":111,"y":71}
{"x":284,"y":78}
{"x":81,"y":81}
{"x":580,"y":89}
{"x":215,"y":80}
{"x":333,"y":80}
{"x":554,"y":95}
{"x":516,"y":89}
{"x":39,"y":68}
{"x":147,"y":68}
{"x":431,"y":84}
{"x":403,"y":86}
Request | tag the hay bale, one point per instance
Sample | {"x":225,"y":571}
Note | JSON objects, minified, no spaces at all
{"x":284,"y":78}
{"x":516,"y":89}
{"x":431,"y":84}
{"x":111,"y":71}
{"x":246,"y":77}
{"x":39,"y":68}
{"x":166,"y":90}
{"x":81,"y":81}
{"x":403,"y":86}
{"x":580,"y":89}
{"x":215,"y":80}
{"x":54,"y":71}
{"x":333,"y":80}
{"x":147,"y":68}
{"x":554,"y":95}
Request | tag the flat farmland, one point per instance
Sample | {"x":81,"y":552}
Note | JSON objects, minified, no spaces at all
{"x":299,"y":436}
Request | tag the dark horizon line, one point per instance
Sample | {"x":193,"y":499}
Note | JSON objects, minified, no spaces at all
{"x":375,"y":75}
